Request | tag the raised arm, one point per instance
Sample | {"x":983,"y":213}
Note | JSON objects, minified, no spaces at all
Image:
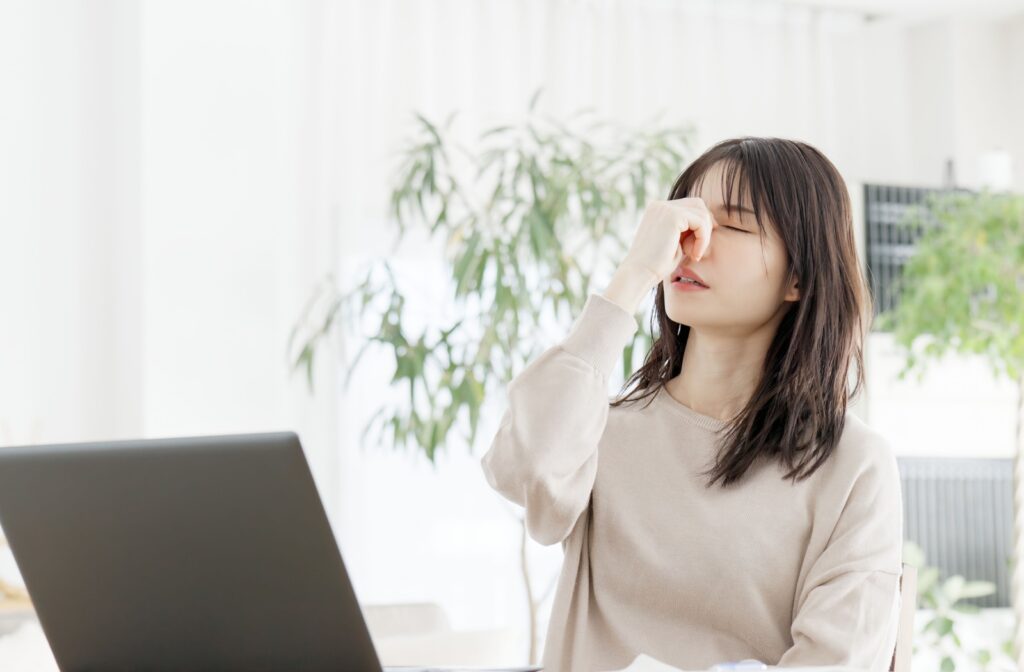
{"x":544,"y":454}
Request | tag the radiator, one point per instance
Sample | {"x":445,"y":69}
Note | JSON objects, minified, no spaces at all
{"x":960,"y":512}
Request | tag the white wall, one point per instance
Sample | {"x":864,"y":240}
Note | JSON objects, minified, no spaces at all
{"x":177,"y":177}
{"x":158,"y":232}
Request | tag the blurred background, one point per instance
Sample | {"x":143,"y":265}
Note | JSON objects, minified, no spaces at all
{"x":192,"y":193}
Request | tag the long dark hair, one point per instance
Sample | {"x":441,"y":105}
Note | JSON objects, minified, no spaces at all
{"x":798,"y":409}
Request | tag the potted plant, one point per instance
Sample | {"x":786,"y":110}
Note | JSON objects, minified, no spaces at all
{"x":528,"y":216}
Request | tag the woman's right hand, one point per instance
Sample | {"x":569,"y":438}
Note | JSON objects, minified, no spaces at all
{"x":660,"y":239}
{"x":658,"y":246}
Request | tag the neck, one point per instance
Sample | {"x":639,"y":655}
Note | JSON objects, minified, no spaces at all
{"x":720,"y":371}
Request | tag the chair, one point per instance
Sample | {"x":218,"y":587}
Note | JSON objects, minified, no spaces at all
{"x":905,"y":630}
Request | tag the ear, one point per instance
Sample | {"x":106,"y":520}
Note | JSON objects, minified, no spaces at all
{"x":793,"y":293}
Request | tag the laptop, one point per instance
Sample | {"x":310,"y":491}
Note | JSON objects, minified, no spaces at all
{"x":194,"y":553}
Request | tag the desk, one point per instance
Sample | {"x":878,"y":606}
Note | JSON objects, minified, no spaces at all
{"x":23,"y":648}
{"x":644,"y":663}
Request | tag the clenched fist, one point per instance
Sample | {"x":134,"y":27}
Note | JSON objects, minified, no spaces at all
{"x":667,"y":231}
{"x":658,"y":243}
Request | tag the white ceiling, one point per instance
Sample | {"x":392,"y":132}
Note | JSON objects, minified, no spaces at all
{"x":918,"y":10}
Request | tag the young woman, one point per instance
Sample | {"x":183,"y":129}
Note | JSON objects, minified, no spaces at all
{"x":740,"y":511}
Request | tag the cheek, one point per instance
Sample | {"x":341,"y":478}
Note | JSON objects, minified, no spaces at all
{"x":746,"y":271}
{"x":756,"y":285}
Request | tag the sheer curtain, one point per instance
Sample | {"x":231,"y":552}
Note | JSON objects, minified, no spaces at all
{"x":161,"y":221}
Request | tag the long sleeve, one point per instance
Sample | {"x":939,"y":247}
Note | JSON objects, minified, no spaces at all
{"x":848,"y":610}
{"x":544,"y":454}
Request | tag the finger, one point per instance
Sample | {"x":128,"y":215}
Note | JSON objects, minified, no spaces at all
{"x":688,"y":243}
{"x":697,"y":220}
{"x":677,"y":258}
{"x":696,"y":212}
{"x":690,"y":201}
{"x":703,"y":234}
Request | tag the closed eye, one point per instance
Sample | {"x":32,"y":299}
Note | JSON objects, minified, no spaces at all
{"x":735,"y":228}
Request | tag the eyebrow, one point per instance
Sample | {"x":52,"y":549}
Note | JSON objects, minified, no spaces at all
{"x":737,"y":206}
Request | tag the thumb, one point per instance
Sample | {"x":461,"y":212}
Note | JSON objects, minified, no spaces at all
{"x":677,"y":258}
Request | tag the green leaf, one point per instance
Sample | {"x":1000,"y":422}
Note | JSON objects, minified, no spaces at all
{"x":953,"y":588}
{"x":543,"y":202}
{"x":967,"y":607}
{"x":913,"y":554}
{"x":977,"y":589}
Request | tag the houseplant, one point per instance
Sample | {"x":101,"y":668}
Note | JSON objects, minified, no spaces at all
{"x":529,"y":216}
{"x":962,"y":291}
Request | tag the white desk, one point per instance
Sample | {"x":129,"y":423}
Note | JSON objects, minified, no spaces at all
{"x":644,"y":663}
{"x":26,"y":650}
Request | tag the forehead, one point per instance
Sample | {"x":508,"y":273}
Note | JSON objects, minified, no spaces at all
{"x":714,"y":189}
{"x":712,"y":186}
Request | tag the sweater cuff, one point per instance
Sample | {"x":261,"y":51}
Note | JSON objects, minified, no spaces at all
{"x":600,"y":333}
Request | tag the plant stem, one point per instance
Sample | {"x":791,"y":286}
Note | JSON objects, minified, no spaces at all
{"x":528,"y":584}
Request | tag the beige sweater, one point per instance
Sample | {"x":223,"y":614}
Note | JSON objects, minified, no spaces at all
{"x":655,"y":563}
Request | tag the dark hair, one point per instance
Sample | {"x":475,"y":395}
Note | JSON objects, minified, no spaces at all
{"x":797,"y":411}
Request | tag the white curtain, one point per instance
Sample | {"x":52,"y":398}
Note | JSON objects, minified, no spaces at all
{"x":729,"y":67}
{"x":162,"y":220}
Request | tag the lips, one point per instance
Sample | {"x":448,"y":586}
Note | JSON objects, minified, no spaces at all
{"x":684,"y":272}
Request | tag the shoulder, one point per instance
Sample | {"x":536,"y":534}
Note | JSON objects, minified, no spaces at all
{"x":863,"y":464}
{"x":634,"y":401}
{"x":634,"y":414}
{"x":862,"y":448}
{"x":859,"y":504}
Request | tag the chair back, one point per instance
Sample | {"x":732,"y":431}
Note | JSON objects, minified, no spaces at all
{"x":905,"y":630}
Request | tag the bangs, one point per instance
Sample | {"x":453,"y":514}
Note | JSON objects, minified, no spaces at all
{"x":735,"y":182}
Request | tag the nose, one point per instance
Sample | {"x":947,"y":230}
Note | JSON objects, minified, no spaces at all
{"x":688,"y":241}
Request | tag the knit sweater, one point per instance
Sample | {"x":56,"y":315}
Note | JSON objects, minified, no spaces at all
{"x":791,"y":574}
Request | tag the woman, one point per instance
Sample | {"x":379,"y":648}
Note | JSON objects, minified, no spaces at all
{"x":741,"y":511}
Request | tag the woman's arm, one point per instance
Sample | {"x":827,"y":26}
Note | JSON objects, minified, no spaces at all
{"x":848,"y":610}
{"x":544,"y":454}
